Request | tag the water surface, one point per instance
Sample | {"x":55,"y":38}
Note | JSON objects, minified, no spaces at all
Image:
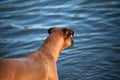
{"x":96,"y":51}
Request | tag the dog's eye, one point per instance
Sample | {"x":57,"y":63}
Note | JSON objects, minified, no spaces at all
{"x":68,"y":36}
{"x":71,"y":35}
{"x":68,"y":33}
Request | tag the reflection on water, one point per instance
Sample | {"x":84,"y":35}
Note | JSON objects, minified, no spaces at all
{"x":95,"y":54}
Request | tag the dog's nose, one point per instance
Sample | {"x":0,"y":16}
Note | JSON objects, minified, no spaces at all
{"x":72,"y":42}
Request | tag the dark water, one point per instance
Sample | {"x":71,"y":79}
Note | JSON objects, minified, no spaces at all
{"x":96,"y":52}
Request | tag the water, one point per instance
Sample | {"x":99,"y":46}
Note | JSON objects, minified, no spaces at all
{"x":96,"y":51}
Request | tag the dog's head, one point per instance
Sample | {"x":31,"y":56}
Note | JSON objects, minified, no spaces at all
{"x":65,"y":33}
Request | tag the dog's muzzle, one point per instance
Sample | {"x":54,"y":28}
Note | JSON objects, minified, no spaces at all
{"x":72,"y":42}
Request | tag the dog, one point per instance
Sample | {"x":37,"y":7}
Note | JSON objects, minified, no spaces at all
{"x":40,"y":64}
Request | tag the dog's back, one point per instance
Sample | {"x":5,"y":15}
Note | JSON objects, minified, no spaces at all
{"x":21,"y":69}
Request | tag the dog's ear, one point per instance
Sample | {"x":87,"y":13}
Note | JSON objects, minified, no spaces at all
{"x":50,"y":30}
{"x":68,"y":32}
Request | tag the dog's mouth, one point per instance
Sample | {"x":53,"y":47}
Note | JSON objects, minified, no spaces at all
{"x":72,"y":42}
{"x":71,"y":36}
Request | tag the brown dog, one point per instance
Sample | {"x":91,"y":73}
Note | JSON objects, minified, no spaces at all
{"x":41,"y":64}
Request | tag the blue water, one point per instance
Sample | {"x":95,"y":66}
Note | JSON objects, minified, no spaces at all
{"x":96,"y":51}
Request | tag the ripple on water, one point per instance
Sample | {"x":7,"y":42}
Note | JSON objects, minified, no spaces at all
{"x":95,"y":54}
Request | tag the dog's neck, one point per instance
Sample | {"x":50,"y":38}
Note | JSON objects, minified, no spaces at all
{"x":51,"y":48}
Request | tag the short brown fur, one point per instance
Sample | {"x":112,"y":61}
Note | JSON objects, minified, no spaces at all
{"x":41,"y":64}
